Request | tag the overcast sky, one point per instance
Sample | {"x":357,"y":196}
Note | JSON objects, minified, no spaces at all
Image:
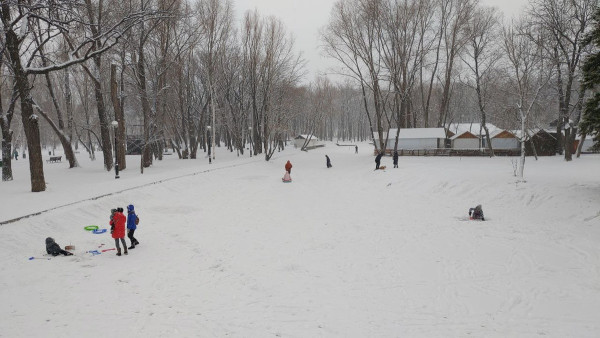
{"x":304,"y":18}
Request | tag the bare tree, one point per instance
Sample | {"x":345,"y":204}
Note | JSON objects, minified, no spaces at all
{"x":352,"y":37}
{"x":481,"y":57}
{"x":566,"y":23}
{"x":455,"y":17}
{"x":61,"y":18}
{"x":528,"y":75}
{"x":6,"y":116}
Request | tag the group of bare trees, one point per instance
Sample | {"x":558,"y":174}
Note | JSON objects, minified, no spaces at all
{"x":186,"y":75}
{"x":174,"y":73}
{"x":432,"y":62}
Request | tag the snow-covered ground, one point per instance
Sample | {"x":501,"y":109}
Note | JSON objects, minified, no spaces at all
{"x":227,"y":249}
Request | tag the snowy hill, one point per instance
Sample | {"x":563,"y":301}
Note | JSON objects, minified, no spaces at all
{"x":227,"y":249}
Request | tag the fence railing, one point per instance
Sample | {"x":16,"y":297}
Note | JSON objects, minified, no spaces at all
{"x":452,"y":152}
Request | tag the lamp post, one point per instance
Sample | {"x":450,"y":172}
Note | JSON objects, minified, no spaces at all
{"x":208,"y":141}
{"x":250,"y":132}
{"x":115,"y":124}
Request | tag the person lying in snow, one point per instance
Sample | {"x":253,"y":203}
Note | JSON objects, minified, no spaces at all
{"x":55,"y":249}
{"x":476,"y":213}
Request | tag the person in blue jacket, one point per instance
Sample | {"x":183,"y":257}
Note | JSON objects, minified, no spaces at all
{"x":132,"y":222}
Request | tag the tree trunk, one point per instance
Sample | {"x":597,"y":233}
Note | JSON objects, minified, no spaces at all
{"x":64,"y":141}
{"x":119,"y":116}
{"x":28,"y":118}
{"x":6,"y":154}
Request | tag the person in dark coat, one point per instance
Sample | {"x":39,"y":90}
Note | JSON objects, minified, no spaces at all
{"x":395,"y":159}
{"x":132,"y":222}
{"x":476,"y":213}
{"x":328,"y":162}
{"x":55,"y":249}
{"x":288,"y":167}
{"x":117,"y":226}
{"x":378,"y":160}
{"x":356,"y":149}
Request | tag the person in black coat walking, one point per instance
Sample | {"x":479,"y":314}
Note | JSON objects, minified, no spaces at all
{"x":328,"y":162}
{"x":395,"y":159}
{"x":378,"y":160}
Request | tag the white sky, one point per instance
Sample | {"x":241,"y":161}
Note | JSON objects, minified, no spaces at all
{"x":304,"y":19}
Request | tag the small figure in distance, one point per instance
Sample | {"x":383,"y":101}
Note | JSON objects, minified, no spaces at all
{"x":328,"y":162}
{"x":378,"y":160}
{"x":396,"y":159}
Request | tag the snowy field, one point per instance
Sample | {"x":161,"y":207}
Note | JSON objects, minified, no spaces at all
{"x":227,"y":249}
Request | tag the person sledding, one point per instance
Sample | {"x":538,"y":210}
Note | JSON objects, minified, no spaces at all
{"x":286,"y":177}
{"x":54,"y":249}
{"x":476,"y":213}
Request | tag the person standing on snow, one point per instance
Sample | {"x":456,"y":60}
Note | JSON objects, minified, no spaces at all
{"x":16,"y":154}
{"x":117,"y":229}
{"x":328,"y":162}
{"x":378,"y":160}
{"x":288,"y":167}
{"x":132,"y":222}
{"x":396,"y":159}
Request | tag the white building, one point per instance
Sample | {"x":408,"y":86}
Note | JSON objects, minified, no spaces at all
{"x":504,"y":139}
{"x":415,"y":138}
{"x":301,"y":139}
{"x":465,"y":140}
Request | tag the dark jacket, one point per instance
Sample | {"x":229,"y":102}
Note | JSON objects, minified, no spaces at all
{"x":53,"y":248}
{"x":378,"y":158}
{"x":477,"y":212}
{"x":395,"y":157}
{"x":328,"y":161}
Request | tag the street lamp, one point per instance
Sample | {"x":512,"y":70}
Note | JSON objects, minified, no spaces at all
{"x":115,"y":124}
{"x":250,"y":132}
{"x":208,"y":139}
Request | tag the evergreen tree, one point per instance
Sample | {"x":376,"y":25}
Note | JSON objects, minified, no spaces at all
{"x":590,"y":123}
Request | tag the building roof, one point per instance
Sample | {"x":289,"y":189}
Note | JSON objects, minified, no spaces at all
{"x":415,"y":133}
{"x":474,"y":128}
{"x":304,"y":137}
{"x":502,"y":133}
{"x":465,"y":134}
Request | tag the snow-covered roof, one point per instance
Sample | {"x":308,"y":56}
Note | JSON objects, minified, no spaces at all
{"x":303,"y":136}
{"x":415,"y":133}
{"x":500,"y":131}
{"x":474,"y":128}
{"x":461,"y":133}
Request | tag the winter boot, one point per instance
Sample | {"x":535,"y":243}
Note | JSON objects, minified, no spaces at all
{"x":136,"y":242}
{"x":125,"y":250}
{"x":132,"y":246}
{"x":118,"y":251}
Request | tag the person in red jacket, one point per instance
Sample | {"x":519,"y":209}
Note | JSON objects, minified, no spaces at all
{"x":117,"y":229}
{"x":288,"y":167}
